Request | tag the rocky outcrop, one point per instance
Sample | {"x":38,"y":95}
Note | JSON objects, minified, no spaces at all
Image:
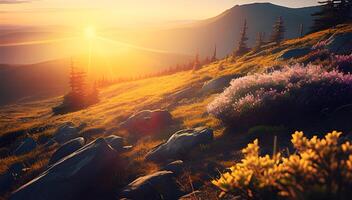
{"x":25,"y":146}
{"x":66,"y":149}
{"x":115,"y":142}
{"x":218,"y":84}
{"x":340,"y":43}
{"x":180,"y":143}
{"x":160,"y":185}
{"x":66,"y":132}
{"x":81,"y":175}
{"x":147,"y":122}
{"x":295,"y":53}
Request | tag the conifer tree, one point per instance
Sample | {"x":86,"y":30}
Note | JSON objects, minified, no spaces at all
{"x":301,"y":29}
{"x":196,"y":63}
{"x":214,"y":58}
{"x":242,"y":46}
{"x":259,"y":41}
{"x":332,"y":12}
{"x":278,"y":31}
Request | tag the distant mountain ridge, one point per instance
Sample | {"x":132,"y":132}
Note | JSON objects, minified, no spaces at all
{"x":223,"y":30}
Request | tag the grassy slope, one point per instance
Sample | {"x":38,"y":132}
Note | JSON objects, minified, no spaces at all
{"x":121,"y":100}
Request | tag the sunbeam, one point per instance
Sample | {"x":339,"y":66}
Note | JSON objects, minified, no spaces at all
{"x":36,"y":42}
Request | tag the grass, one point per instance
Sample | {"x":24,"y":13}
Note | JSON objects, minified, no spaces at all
{"x":121,"y":100}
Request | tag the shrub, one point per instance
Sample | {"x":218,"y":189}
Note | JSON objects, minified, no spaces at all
{"x":321,"y":169}
{"x":343,"y":63}
{"x":293,"y":94}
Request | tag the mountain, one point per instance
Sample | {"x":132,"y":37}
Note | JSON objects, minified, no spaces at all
{"x":223,"y":30}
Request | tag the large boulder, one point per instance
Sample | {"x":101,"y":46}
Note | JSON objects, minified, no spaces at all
{"x":84,"y":174}
{"x":25,"y":146}
{"x":66,"y":149}
{"x":218,"y":84}
{"x":157,"y":186}
{"x":115,"y":142}
{"x":176,"y":167}
{"x":295,"y":53}
{"x":180,"y":143}
{"x":340,"y":43}
{"x":147,"y":122}
{"x":66,"y":132}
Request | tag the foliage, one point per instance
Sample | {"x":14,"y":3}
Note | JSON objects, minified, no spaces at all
{"x":282,"y":96}
{"x":242,"y":46}
{"x":320,"y":169}
{"x":278,"y":31}
{"x":343,"y":63}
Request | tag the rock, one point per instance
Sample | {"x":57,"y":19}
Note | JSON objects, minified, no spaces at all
{"x":93,"y":132}
{"x":340,"y":43}
{"x":84,"y":174}
{"x":115,"y":142}
{"x":180,"y":143}
{"x":66,"y":149}
{"x":6,"y":182}
{"x":157,"y":186}
{"x":25,"y":146}
{"x":191,"y":196}
{"x":218,"y":84}
{"x":295,"y":53}
{"x":184,"y":93}
{"x":175,"y":166}
{"x":66,"y":132}
{"x":147,"y":122}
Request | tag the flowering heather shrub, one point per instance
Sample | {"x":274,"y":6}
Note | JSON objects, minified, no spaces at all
{"x":294,"y":93}
{"x":342,"y":63}
{"x":321,"y":169}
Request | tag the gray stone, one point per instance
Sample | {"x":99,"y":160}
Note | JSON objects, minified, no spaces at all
{"x":115,"y":142}
{"x":218,"y":84}
{"x":78,"y":176}
{"x":66,"y":149}
{"x":157,"y":186}
{"x":26,"y":145}
{"x":191,"y":196}
{"x":340,"y":43}
{"x":66,"y":132}
{"x":147,"y":122}
{"x":180,"y":143}
{"x":175,"y":166}
{"x":295,"y":53}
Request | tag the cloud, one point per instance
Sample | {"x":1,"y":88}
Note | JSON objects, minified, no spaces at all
{"x":14,"y":1}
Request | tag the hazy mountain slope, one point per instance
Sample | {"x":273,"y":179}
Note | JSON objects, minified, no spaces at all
{"x":47,"y":79}
{"x":223,"y":30}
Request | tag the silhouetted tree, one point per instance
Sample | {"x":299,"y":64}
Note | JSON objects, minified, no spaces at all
{"x":214,"y":58}
{"x":332,"y":12}
{"x":278,"y":31}
{"x":301,"y":30}
{"x":259,"y":41}
{"x":196,"y":63}
{"x":242,"y":46}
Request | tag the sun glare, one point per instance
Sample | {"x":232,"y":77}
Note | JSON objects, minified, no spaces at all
{"x":89,"y":33}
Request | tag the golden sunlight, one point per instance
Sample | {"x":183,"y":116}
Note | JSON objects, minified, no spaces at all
{"x":89,"y":32}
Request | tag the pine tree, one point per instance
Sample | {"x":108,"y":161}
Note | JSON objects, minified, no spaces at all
{"x":77,"y":82}
{"x":196,"y":63}
{"x":332,"y":12}
{"x":214,"y":58}
{"x":301,"y":30}
{"x":242,"y":46}
{"x":259,"y":41}
{"x":278,"y":31}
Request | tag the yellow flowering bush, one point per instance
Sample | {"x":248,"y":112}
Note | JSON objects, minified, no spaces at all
{"x":319,"y":169}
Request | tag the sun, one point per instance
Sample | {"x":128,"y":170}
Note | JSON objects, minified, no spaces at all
{"x":89,"y":33}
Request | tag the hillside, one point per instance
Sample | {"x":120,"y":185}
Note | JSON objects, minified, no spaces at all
{"x":183,"y":94}
{"x":224,"y":29}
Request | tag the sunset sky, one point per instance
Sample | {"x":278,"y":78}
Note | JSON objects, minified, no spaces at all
{"x":117,"y":12}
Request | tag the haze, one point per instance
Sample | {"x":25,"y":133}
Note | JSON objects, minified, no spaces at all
{"x":117,"y":13}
